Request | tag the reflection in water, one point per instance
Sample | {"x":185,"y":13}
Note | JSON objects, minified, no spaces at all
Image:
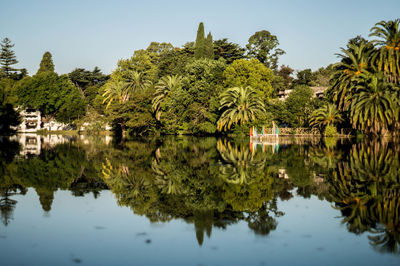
{"x":214,"y":183}
{"x":68,"y":165}
{"x":366,"y":189}
{"x":193,"y":181}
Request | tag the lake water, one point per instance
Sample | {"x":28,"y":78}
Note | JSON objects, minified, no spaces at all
{"x":198,"y":201}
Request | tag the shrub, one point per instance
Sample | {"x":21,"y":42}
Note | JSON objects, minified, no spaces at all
{"x":330,"y":131}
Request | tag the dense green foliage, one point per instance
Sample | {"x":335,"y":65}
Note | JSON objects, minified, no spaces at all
{"x":365,"y":83}
{"x":263,"y":46}
{"x":200,"y":44}
{"x":177,"y":90}
{"x":242,"y":73}
{"x":327,"y":115}
{"x":8,"y":117}
{"x":240,"y":105}
{"x":88,"y":82}
{"x":387,"y":56}
{"x":53,"y":95}
{"x":296,"y":110}
{"x":7,"y":57}
{"x":46,"y":65}
{"x":209,"y":47}
{"x":228,"y":51}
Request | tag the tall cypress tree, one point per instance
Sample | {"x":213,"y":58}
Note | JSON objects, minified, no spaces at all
{"x":7,"y":57}
{"x":209,"y":47}
{"x":46,"y":65}
{"x":199,"y":47}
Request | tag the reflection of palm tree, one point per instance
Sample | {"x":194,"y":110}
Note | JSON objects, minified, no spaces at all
{"x":121,"y":178}
{"x":366,"y":191}
{"x":326,"y":158}
{"x":238,"y":162}
{"x":387,"y":235}
{"x":169,"y":184}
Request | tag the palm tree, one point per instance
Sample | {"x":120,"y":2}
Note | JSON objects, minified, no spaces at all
{"x":136,"y":81}
{"x":115,"y":90}
{"x":327,"y":115}
{"x":387,"y":58}
{"x":241,"y":105}
{"x":355,"y":61}
{"x":163,"y":89}
{"x":122,"y":85}
{"x":375,"y":107}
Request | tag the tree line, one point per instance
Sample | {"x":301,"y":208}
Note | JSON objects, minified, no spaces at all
{"x":216,"y":87}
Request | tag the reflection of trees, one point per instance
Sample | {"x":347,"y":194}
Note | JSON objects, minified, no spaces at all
{"x":7,"y":204}
{"x":238,"y":162}
{"x":305,"y":167}
{"x":64,"y":166}
{"x":202,"y":182}
{"x":326,"y":157}
{"x":365,"y":188}
{"x":169,"y":183}
{"x":8,"y":186}
{"x":52,"y":170}
{"x":246,"y":179}
{"x":261,"y":221}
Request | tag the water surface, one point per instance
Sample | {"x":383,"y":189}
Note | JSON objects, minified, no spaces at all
{"x":198,"y":201}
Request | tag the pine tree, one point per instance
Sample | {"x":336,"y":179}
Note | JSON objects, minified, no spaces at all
{"x":209,"y":47}
{"x":7,"y":57}
{"x":199,"y":47}
{"x":46,"y":65}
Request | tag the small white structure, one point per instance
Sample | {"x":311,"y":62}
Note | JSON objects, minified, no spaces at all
{"x":53,"y":125}
{"x":108,"y":127}
{"x":318,"y":92}
{"x":282,"y":174}
{"x":31,"y":120}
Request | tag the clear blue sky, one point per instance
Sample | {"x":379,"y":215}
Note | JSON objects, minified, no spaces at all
{"x":98,"y":33}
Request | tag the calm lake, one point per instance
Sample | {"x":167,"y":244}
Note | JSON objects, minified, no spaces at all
{"x":198,"y":201}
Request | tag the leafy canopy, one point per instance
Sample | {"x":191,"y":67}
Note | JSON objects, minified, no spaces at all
{"x":263,"y":45}
{"x":243,"y":73}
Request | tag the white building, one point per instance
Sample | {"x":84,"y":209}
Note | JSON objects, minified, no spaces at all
{"x":31,"y":120}
{"x":318,"y":92}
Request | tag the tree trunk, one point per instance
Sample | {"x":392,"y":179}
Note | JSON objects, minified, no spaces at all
{"x":123,"y":131}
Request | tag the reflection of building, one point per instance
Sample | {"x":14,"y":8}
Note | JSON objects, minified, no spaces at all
{"x":30,"y":143}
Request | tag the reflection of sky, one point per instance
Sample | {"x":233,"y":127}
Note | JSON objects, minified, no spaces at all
{"x":98,"y":232}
